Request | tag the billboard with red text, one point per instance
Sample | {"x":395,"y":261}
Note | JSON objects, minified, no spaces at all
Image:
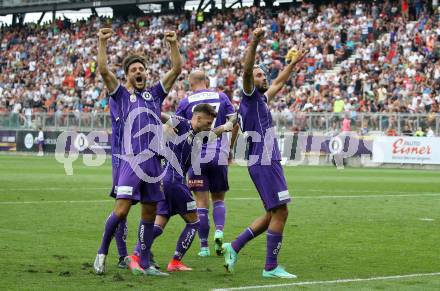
{"x":406,"y":150}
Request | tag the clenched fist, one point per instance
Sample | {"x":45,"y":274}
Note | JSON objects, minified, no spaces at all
{"x":171,"y":36}
{"x":258,"y":33}
{"x":105,"y":33}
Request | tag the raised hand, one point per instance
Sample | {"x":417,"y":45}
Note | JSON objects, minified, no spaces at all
{"x":298,"y":56}
{"x":171,"y":36}
{"x":105,"y":33}
{"x":259,"y":31}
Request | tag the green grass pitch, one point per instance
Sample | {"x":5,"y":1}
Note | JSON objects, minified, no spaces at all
{"x":343,"y":224}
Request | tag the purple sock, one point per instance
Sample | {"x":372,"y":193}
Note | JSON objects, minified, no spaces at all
{"x":203,"y":226}
{"x":273,"y":246}
{"x":219,"y":215}
{"x":157,"y":231}
{"x":121,"y":237}
{"x":145,"y":241}
{"x":110,"y":227}
{"x":137,"y":249}
{"x":242,"y":239}
{"x":185,"y":240}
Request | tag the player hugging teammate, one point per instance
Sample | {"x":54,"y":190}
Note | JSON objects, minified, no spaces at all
{"x":195,"y":141}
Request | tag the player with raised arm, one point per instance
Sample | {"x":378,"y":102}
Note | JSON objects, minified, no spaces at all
{"x":116,"y":142}
{"x":213,"y":175}
{"x":140,"y":110}
{"x":178,"y":198}
{"x":264,"y":160}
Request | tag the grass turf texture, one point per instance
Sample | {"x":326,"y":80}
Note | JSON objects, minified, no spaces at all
{"x":383,"y":229}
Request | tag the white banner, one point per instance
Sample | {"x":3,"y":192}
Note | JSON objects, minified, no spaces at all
{"x":406,"y":150}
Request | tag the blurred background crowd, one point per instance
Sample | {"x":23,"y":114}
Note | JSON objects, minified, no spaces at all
{"x":365,"y":56}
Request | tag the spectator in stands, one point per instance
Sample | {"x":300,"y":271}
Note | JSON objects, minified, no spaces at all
{"x":391,"y":131}
{"x":429,"y":132}
{"x":419,"y":132}
{"x":406,"y":131}
{"x":346,"y":124}
{"x":380,"y":62}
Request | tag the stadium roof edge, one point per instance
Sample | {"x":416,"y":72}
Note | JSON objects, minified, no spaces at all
{"x":75,"y":6}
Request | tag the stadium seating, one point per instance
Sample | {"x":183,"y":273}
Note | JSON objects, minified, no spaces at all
{"x":364,"y":58}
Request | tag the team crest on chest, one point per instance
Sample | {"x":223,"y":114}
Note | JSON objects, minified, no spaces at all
{"x":133,"y":98}
{"x":147,"y":96}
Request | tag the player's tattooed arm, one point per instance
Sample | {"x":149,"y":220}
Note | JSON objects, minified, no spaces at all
{"x":279,"y":82}
{"x":249,"y":60}
{"x":109,"y":78}
{"x":176,"y":61}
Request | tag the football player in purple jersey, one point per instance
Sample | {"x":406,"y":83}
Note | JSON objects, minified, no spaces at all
{"x":139,"y":109}
{"x":264,"y":164}
{"x":213,"y":171}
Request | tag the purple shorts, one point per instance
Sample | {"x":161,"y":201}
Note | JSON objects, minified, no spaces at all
{"x":115,"y":177}
{"x":178,"y":200}
{"x":130,"y":186}
{"x":213,"y":177}
{"x":271,"y":184}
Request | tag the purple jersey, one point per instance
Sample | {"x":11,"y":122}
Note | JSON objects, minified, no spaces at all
{"x":115,"y":115}
{"x":181,"y":149}
{"x":220,"y":102}
{"x":255,"y":118}
{"x":139,"y":110}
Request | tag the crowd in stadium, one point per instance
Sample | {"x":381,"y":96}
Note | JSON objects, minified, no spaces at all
{"x":393,"y":67}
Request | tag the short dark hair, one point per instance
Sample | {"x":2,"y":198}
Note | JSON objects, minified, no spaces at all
{"x":205,"y":108}
{"x":131,"y":59}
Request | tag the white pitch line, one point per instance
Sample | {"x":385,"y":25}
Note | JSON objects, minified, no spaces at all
{"x":298,"y":190}
{"x":330,"y":282}
{"x":234,"y":189}
{"x":346,"y":196}
{"x":53,"y":202}
{"x":366,"y":196}
{"x":53,"y":189}
{"x":230,"y":198}
{"x":238,"y":189}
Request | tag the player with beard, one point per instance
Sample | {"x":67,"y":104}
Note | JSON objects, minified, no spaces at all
{"x":139,"y":110}
{"x":264,"y":160}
